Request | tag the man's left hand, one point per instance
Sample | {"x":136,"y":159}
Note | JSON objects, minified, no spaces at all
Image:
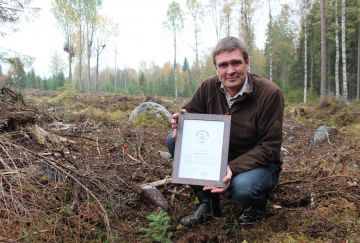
{"x":226,"y":180}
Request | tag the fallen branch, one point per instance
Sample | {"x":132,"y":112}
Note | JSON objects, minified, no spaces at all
{"x":64,"y":169}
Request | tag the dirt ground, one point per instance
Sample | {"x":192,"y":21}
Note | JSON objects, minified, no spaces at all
{"x":77,"y":179}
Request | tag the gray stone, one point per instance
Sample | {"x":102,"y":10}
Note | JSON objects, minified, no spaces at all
{"x":322,"y":134}
{"x":165,"y":155}
{"x":154,"y":109}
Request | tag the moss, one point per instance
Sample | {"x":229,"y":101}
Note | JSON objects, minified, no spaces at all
{"x":294,"y":238}
{"x":62,"y":96}
{"x":114,"y":116}
{"x":146,"y":119}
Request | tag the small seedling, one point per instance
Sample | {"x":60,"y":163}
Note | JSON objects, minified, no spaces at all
{"x":159,"y":227}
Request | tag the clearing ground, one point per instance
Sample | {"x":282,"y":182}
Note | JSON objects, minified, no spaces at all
{"x":77,"y":179}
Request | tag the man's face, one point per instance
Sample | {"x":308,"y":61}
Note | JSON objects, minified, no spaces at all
{"x":232,"y":70}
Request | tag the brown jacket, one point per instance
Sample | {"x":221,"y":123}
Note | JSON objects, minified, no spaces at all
{"x":256,"y":120}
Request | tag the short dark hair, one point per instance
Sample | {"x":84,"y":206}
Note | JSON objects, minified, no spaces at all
{"x":228,"y":44}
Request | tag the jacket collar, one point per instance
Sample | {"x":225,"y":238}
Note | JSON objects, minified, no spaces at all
{"x":248,"y":87}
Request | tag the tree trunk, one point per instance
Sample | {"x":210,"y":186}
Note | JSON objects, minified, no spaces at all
{"x":88,"y":54}
{"x":115,"y":71}
{"x":214,"y":8}
{"x":305,"y":52}
{"x":312,"y":69}
{"x":358,"y":64}
{"x":337,"y":85}
{"x":270,"y":43}
{"x":197,"y":66}
{"x":227,"y":14}
{"x":80,"y":58}
{"x":97,"y":72}
{"x":343,"y":56}
{"x":323,"y":80}
{"x":174,"y":67}
{"x":70,"y":51}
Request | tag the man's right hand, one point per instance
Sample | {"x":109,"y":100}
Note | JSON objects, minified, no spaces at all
{"x":174,"y":121}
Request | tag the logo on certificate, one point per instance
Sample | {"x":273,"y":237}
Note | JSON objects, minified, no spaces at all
{"x":202,"y":136}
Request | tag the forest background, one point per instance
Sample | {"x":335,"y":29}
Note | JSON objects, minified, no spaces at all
{"x":311,"y":48}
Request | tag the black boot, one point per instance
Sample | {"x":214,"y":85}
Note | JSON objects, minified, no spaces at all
{"x":253,"y":214}
{"x":208,"y":209}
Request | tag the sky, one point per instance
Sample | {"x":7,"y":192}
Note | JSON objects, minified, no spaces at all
{"x":142,"y":36}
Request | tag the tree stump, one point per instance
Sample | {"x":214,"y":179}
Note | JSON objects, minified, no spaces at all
{"x":26,"y":121}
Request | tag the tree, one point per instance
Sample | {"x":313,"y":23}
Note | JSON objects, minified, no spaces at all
{"x":343,"y":49}
{"x":65,"y":16}
{"x":226,"y":18}
{"x":270,"y":41}
{"x":56,"y":64}
{"x":215,"y":6}
{"x":304,"y":12}
{"x":246,"y":29}
{"x":337,"y":85}
{"x":11,"y":11}
{"x":16,"y":73}
{"x":78,"y":9}
{"x":197,"y":13}
{"x":103,"y":31}
{"x":323,"y":81}
{"x":175,"y":23}
{"x":142,"y":81}
{"x":90,"y":16}
{"x":185,"y":67}
{"x":358,"y":61}
{"x":282,"y":47}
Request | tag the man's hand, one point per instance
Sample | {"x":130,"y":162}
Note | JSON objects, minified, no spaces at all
{"x":226,"y":180}
{"x":174,"y":121}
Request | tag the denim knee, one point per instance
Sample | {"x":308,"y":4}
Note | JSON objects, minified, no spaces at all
{"x":244,"y":190}
{"x":253,"y":187}
{"x":170,"y":141}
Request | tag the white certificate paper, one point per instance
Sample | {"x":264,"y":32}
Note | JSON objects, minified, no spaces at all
{"x":201,"y":149}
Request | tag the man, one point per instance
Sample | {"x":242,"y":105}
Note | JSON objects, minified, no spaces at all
{"x":256,"y":107}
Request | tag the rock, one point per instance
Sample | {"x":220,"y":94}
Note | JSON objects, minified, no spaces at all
{"x":153,"y":109}
{"x":165,"y":155}
{"x":154,"y":197}
{"x":322,"y":134}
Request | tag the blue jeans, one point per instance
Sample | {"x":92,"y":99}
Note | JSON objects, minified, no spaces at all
{"x":250,"y":188}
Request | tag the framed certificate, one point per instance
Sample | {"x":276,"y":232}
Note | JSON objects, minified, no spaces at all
{"x":201,"y":149}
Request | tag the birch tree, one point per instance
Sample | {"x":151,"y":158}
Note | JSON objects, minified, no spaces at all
{"x":215,"y":11}
{"x":304,"y":12}
{"x":90,"y":11}
{"x":323,"y":77}
{"x":226,"y":18}
{"x":65,"y":16}
{"x":343,"y":49}
{"x":197,"y":13}
{"x":174,"y":23}
{"x":103,"y":31}
{"x":79,"y":20}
